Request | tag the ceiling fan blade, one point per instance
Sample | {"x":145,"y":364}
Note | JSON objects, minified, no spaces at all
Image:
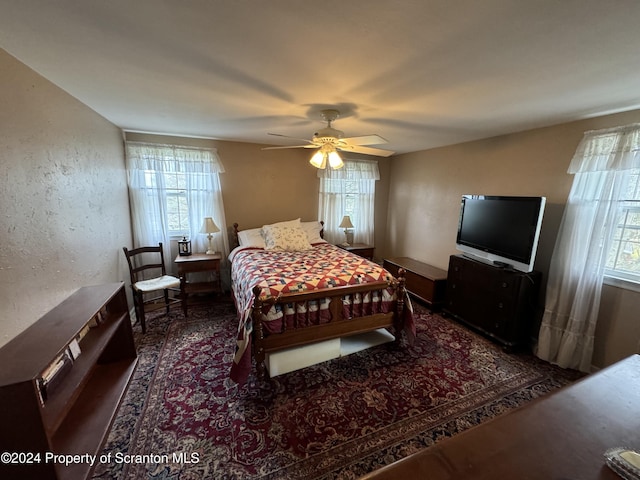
{"x":366,"y":150}
{"x":289,"y":146}
{"x":293,"y":138}
{"x":365,"y":140}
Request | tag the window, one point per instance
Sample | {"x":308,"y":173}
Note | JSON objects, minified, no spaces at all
{"x":174,"y":196}
{"x":623,"y":260}
{"x":172,"y":190}
{"x":599,"y":228}
{"x":351,"y":194}
{"x":348,"y":191}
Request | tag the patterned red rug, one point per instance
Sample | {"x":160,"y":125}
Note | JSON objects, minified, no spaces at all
{"x":183,"y":418}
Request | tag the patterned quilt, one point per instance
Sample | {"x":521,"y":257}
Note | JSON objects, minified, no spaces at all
{"x":280,"y":272}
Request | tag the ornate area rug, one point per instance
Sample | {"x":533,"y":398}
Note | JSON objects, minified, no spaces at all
{"x":182,"y":418}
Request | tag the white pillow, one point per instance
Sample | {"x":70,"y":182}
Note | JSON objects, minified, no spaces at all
{"x":285,"y":238}
{"x":312,"y":229}
{"x":251,"y":238}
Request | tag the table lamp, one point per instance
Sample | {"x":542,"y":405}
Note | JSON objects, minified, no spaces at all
{"x":209,"y":227}
{"x":347,"y":225}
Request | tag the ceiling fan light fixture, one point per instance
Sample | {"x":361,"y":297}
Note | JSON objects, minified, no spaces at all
{"x":327,"y":153}
{"x":335,"y":161}
{"x":319,"y":160}
{"x":329,"y":140}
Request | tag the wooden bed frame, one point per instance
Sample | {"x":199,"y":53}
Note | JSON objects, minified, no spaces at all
{"x":339,"y":325}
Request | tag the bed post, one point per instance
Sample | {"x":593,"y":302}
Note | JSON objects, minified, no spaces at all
{"x":236,"y":241}
{"x":258,"y":334}
{"x":400,"y":294}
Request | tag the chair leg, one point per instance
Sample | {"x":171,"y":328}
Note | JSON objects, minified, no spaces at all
{"x":140,"y":312}
{"x":136,"y":306}
{"x":166,"y":300}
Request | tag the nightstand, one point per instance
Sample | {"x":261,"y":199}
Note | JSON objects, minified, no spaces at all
{"x":360,"y":249}
{"x":198,"y":262}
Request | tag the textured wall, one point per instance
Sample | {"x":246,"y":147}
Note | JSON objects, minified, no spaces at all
{"x":424,"y":202}
{"x":64,"y":207}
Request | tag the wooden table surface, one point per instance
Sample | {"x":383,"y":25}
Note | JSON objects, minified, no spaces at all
{"x":561,"y":436}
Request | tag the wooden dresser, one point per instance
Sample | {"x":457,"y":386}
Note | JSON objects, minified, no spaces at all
{"x":558,"y":436}
{"x":498,"y":302}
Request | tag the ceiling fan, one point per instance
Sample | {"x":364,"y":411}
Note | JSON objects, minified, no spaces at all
{"x":329,"y":140}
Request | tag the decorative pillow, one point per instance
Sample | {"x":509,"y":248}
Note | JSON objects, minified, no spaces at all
{"x":288,"y":223}
{"x":251,"y":238}
{"x":312,"y":229}
{"x":285,"y":238}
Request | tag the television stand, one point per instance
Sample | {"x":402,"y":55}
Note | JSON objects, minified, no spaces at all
{"x":488,"y":261}
{"x":497,"y":302}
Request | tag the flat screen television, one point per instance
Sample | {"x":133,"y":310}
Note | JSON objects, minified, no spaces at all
{"x":501,"y":230}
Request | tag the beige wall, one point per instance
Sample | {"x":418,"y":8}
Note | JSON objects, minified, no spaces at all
{"x":618,"y":330}
{"x":424,"y":201}
{"x":267,"y":186}
{"x":65,"y":207}
{"x":63,"y":197}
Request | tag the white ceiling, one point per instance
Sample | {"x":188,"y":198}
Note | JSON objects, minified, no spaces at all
{"x":421,"y":73}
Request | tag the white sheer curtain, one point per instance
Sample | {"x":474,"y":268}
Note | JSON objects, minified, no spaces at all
{"x":348,"y":191}
{"x":602,"y":165}
{"x":148,"y":167}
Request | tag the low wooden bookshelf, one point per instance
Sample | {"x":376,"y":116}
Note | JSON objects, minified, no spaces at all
{"x":61,"y":382}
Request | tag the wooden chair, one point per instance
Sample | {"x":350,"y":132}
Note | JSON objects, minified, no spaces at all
{"x":149,"y":275}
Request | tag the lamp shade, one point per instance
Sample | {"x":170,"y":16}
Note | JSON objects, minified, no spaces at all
{"x":335,"y":161}
{"x":319,"y":160}
{"x":346,"y":222}
{"x":209,"y":226}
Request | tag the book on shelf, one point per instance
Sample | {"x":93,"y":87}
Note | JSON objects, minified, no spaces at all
{"x":83,"y":332}
{"x":53,"y":367}
{"x":74,"y":349}
{"x":52,"y":376}
{"x":98,"y":318}
{"x":41,"y":391}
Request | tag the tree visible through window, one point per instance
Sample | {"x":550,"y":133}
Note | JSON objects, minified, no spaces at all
{"x":172,"y":189}
{"x":351,"y":192}
{"x":175,"y":194}
{"x":623,"y":260}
